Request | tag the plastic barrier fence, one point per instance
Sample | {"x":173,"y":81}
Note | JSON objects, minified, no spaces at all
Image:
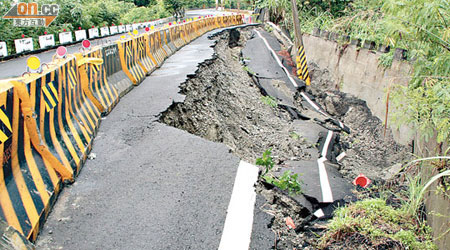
{"x":66,"y":119}
{"x":114,"y":74}
{"x":151,"y":49}
{"x":29,"y":183}
{"x":94,"y":82}
{"x":128,"y":60}
{"x":49,"y":120}
{"x":164,"y":43}
{"x":169,"y":41}
{"x":143,"y":59}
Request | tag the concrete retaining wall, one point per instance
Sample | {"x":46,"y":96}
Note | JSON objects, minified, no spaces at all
{"x":357,"y":72}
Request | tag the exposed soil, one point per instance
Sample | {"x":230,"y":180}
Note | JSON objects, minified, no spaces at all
{"x":370,"y":151}
{"x":223,"y":104}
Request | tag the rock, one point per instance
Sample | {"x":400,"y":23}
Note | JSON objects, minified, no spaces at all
{"x":392,"y":171}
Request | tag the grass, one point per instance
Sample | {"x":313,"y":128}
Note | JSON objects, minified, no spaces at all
{"x":246,"y":68}
{"x":379,"y":223}
{"x":269,"y":100}
{"x":386,"y":59}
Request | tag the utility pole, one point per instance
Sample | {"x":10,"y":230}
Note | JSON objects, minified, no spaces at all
{"x":297,"y":30}
{"x":300,"y":55}
{"x":239,"y":4}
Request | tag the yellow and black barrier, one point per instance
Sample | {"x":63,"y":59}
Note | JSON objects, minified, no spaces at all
{"x":302,"y":66}
{"x":143,"y":58}
{"x":165,"y":43}
{"x":66,"y":119}
{"x":176,"y":35}
{"x":128,"y":59}
{"x":150,"y":50}
{"x":160,"y":41}
{"x":169,"y":40}
{"x":28,"y":180}
{"x":94,"y":82}
{"x":115,"y":75}
{"x":49,"y":119}
{"x":155,"y":48}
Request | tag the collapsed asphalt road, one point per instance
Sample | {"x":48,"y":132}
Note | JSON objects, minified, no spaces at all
{"x":247,"y":100}
{"x":150,"y":186}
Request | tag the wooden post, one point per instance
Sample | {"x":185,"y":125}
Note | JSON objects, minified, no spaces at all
{"x":297,"y":29}
{"x":300,"y":55}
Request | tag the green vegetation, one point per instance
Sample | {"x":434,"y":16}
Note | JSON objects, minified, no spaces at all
{"x":419,"y":26}
{"x":287,"y":181}
{"x":82,"y":13}
{"x":294,"y":135}
{"x":269,"y":100}
{"x":379,"y":223}
{"x":386,"y":59}
{"x":266,"y":161}
{"x":246,"y":68}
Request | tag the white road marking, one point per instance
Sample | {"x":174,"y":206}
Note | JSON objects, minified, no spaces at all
{"x":277,"y":59}
{"x":327,"y":144}
{"x":327,"y":195}
{"x":319,"y":213}
{"x":239,"y":222}
{"x":341,"y":156}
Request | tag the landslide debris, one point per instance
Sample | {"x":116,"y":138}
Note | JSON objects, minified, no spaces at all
{"x":223,"y":104}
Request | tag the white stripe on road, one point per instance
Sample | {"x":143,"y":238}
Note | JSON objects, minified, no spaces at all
{"x":313,"y":104}
{"x":274,"y":55}
{"x":327,"y":144}
{"x":319,"y":213}
{"x":238,"y":224}
{"x":327,"y":195}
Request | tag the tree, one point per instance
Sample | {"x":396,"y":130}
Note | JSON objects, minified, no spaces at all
{"x":175,"y":7}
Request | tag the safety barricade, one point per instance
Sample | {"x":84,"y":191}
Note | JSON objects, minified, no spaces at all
{"x":94,"y":82}
{"x":128,"y":60}
{"x":184,"y":33}
{"x":191,"y":31}
{"x":176,"y":35}
{"x":165,"y":43}
{"x":159,"y":39}
{"x":212,"y":23}
{"x":66,"y":118}
{"x":115,"y":75}
{"x":143,"y":59}
{"x":169,"y":40}
{"x":202,"y":24}
{"x":151,"y":50}
{"x":28,"y":180}
{"x":47,"y":130}
{"x":159,"y":51}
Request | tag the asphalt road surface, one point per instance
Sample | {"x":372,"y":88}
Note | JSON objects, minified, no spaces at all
{"x":150,"y":186}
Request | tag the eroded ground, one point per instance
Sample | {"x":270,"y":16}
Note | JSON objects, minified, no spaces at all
{"x":224,"y":104}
